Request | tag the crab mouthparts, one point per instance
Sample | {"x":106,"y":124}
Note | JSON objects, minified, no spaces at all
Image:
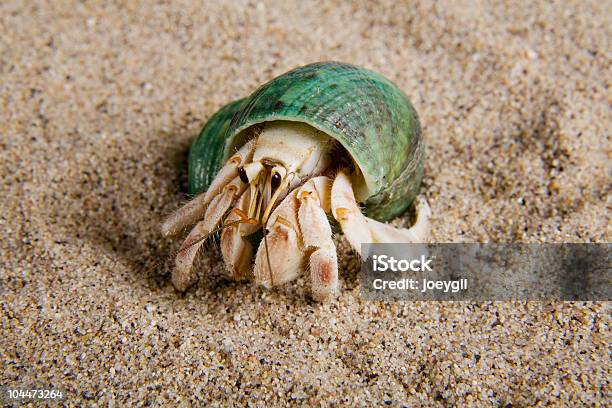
{"x":263,"y":196}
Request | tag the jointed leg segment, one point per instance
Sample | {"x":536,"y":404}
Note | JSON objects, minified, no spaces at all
{"x":194,"y":210}
{"x":360,"y":229}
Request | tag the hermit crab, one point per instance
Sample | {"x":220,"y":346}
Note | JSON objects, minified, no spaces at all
{"x":326,"y":142}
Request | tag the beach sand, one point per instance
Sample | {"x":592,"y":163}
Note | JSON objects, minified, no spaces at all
{"x":98,"y":106}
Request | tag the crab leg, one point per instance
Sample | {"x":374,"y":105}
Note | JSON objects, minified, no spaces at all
{"x":359,"y":229}
{"x":219,"y":205}
{"x":183,"y":274}
{"x":238,"y":251}
{"x":195,"y":209}
{"x":346,"y":211}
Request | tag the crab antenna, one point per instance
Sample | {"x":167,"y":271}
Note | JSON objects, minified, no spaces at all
{"x":265,"y":236}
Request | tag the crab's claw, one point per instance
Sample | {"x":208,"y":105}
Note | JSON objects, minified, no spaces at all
{"x":280,"y":257}
{"x":300,"y":235}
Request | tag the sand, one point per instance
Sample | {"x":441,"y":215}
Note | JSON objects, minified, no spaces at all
{"x":98,"y":105}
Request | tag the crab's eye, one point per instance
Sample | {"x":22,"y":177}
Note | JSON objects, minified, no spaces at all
{"x":276,"y":180}
{"x":243,"y":175}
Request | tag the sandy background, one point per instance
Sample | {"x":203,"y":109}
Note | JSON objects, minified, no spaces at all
{"x":98,"y":106}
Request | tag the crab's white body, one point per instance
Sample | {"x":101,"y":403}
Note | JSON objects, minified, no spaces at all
{"x":285,"y":180}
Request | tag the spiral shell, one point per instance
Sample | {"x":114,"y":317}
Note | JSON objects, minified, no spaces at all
{"x":366,"y":113}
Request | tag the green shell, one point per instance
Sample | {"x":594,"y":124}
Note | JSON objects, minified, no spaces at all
{"x":369,"y":115}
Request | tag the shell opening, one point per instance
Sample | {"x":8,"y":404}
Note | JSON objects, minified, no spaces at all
{"x":363,"y":186}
